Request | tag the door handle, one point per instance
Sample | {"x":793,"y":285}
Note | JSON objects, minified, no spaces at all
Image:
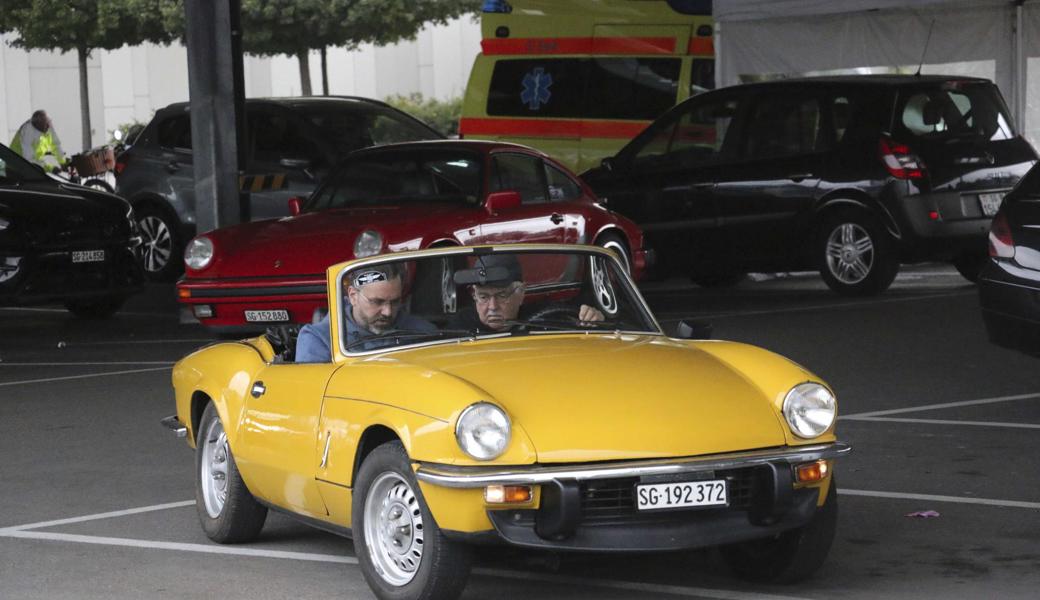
{"x":799,"y":176}
{"x":258,"y":389}
{"x":556,"y":218}
{"x":173,"y":166}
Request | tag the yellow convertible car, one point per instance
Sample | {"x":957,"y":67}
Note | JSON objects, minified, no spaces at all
{"x":522,"y":395}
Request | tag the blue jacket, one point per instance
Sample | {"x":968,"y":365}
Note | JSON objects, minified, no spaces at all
{"x":313,"y":345}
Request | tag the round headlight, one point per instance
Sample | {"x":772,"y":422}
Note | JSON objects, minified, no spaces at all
{"x":368,"y":244}
{"x":4,"y":223}
{"x":483,"y":431}
{"x":809,"y":409}
{"x":199,"y":253}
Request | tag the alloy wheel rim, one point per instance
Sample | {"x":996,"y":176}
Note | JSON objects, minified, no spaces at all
{"x":606,"y":297}
{"x":158,"y":243}
{"x":850,"y":253}
{"x":394,"y":532}
{"x":213,"y":474}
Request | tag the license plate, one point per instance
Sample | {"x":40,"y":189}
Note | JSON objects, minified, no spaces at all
{"x":990,"y":203}
{"x":87,"y":256}
{"x":683,"y":494}
{"x":266,"y":316}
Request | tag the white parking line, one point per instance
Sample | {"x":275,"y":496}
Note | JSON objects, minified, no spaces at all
{"x":910,"y":409}
{"x":98,"y":516}
{"x":935,"y":498}
{"x":947,"y":422}
{"x":50,"y":379}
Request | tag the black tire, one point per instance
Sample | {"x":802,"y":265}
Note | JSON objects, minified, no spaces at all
{"x":237,"y":517}
{"x":855,"y":255}
{"x":95,"y":308}
{"x":98,"y":184}
{"x":163,"y":246}
{"x":614,"y":242}
{"x":442,"y":566}
{"x":970,"y":264}
{"x":791,"y":556}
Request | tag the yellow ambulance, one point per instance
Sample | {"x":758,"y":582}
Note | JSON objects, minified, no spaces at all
{"x":579,"y":78}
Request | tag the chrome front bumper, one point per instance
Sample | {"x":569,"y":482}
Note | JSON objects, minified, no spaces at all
{"x":475,"y":477}
{"x":171,"y":422}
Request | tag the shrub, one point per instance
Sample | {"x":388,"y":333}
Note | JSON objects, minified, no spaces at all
{"x":442,"y":115}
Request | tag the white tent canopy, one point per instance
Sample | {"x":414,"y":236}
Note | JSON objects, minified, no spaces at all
{"x":995,"y":39}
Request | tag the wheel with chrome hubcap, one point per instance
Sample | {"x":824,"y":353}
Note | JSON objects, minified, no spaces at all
{"x":228,"y":512}
{"x":856,"y":254}
{"x":402,"y":552}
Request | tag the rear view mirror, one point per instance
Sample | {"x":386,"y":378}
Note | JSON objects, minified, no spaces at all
{"x":499,"y":201}
{"x":693,"y":330}
{"x":480,"y":276}
{"x":295,"y":205}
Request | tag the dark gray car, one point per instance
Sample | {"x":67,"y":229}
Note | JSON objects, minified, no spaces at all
{"x":292,"y":144}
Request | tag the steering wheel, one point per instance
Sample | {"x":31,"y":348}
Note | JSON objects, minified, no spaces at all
{"x":565,"y":313}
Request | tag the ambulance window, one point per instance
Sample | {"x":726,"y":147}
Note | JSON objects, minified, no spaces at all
{"x":702,"y":75}
{"x":537,"y":88}
{"x":631,"y":88}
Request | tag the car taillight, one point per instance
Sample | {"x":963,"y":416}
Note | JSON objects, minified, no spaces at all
{"x":1001,"y":244}
{"x":121,"y":161}
{"x":899,"y":160}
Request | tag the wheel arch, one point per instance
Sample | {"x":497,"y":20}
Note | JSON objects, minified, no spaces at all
{"x":373,"y":437}
{"x":852,"y":198}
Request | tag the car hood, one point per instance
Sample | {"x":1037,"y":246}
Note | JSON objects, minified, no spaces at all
{"x":49,"y":212}
{"x":604,"y":397}
{"x":307,"y":243}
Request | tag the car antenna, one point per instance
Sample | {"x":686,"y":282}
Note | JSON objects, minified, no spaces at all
{"x":925,"y":51}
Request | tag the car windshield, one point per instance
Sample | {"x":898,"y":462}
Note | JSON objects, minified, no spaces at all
{"x":953,"y":110}
{"x":348,"y":129}
{"x":469,"y":294}
{"x":394,"y":177}
{"x":15,"y":169}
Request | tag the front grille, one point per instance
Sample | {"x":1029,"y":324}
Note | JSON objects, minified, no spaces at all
{"x":613,"y":499}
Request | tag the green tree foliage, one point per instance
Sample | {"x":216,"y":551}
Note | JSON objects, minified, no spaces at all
{"x":442,"y":115}
{"x":295,"y":27}
{"x":82,"y":26}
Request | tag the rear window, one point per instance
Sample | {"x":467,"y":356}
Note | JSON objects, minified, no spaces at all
{"x":951,"y":111}
{"x":597,"y":88}
{"x":352,"y":128}
{"x":175,"y":132}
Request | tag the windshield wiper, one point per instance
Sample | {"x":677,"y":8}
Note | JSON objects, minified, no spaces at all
{"x":411,"y":334}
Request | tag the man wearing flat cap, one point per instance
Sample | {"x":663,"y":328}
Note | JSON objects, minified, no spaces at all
{"x":498,"y":297}
{"x":375,"y":296}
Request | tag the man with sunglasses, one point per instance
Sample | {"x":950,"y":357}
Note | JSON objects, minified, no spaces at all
{"x":497,"y":303}
{"x":374,"y":299}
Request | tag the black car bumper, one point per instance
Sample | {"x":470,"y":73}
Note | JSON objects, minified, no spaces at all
{"x":1010,"y":301}
{"x":41,"y":276}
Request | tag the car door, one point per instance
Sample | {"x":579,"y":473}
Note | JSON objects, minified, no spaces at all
{"x":284,"y":161}
{"x":279,"y":445}
{"x":664,"y":179}
{"x":172,"y":162}
{"x":773,"y":178}
{"x":537,"y":218}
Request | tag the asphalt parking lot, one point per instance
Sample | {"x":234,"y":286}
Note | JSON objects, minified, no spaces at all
{"x":96,"y":497}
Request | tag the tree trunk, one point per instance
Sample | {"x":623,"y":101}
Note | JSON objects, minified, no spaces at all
{"x":84,"y":96}
{"x":305,"y":72}
{"x":324,"y":72}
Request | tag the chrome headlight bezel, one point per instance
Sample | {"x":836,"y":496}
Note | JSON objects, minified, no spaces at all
{"x":199,"y":253}
{"x":483,"y":431}
{"x":368,"y":243}
{"x":809,"y":409}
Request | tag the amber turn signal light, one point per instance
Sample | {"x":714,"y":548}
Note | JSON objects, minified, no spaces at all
{"x":182,"y":293}
{"x":810,"y":472}
{"x":507,"y":494}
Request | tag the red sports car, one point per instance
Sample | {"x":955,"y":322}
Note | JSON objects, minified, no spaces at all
{"x":390,"y":198}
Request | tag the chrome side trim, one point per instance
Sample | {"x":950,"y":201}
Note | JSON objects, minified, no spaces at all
{"x":172,"y":423}
{"x":473,"y":477}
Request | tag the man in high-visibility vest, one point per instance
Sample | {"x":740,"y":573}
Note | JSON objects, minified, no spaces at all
{"x":37,"y":141}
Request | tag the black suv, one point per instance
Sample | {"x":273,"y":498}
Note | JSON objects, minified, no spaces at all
{"x":850,"y":175}
{"x":292,"y":144}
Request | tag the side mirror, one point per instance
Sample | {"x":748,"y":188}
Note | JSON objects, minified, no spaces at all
{"x":499,"y":201}
{"x":295,"y":205}
{"x":693,"y":330}
{"x":295,"y":163}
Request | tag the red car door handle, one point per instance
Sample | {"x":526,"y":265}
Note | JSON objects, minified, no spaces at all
{"x":556,"y":218}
